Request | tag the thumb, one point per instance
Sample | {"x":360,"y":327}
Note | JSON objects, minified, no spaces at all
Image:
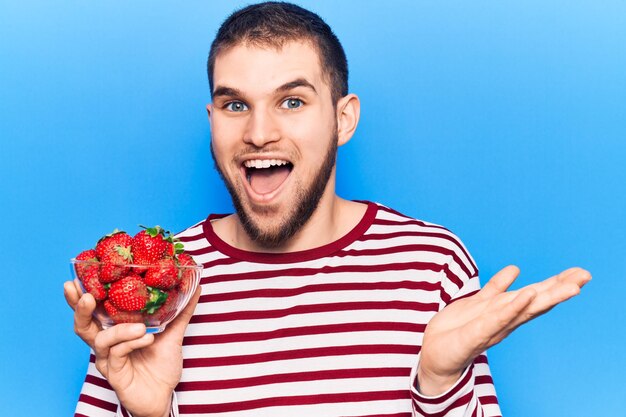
{"x":84,"y":325}
{"x":500,"y":282}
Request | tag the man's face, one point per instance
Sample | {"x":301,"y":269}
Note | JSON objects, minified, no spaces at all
{"x":274,"y":136}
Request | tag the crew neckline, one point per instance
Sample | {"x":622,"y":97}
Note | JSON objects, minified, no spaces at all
{"x":290,"y":257}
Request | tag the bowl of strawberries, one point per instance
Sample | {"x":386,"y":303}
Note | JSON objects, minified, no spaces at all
{"x":146,"y":278}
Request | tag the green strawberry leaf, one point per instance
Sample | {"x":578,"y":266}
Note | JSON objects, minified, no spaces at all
{"x":179,"y":248}
{"x":124,"y":252}
{"x":156,"y":300}
{"x":155,"y":231}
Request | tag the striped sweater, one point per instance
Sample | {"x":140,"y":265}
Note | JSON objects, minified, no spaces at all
{"x":332,"y":331}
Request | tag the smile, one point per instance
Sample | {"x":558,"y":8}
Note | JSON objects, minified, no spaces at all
{"x":266,"y":176}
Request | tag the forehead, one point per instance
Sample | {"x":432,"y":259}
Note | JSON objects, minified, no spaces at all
{"x":260,"y":70}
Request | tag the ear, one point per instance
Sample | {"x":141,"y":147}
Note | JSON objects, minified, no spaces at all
{"x":209,"y":110}
{"x":348,"y":112}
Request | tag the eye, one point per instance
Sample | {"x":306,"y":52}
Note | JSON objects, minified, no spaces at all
{"x":236,"y":106}
{"x":291,"y":103}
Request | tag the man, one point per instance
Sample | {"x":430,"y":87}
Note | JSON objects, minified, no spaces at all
{"x":311,"y":304}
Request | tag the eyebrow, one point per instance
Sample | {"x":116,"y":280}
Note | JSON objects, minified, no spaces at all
{"x":226,"y":91}
{"x":299,"y":82}
{"x":222,"y":91}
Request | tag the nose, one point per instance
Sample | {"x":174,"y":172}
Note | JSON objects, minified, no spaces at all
{"x":262,"y":128}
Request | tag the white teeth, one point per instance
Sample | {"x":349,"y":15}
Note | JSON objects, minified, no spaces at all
{"x":264,"y":163}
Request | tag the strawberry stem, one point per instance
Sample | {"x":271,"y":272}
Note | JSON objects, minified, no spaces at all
{"x":156,"y":230}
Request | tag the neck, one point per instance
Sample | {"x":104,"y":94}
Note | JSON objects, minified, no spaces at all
{"x":333,"y":218}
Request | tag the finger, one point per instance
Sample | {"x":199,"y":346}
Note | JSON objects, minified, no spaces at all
{"x":84,"y":325}
{"x":177,"y":326}
{"x":520,"y":310}
{"x":71,"y":295}
{"x":520,"y":304}
{"x":115,"y":335}
{"x":118,"y":354}
{"x":78,"y":286}
{"x":558,"y":289}
{"x":500,"y":282}
{"x":576,"y":275}
{"x":547,"y":300}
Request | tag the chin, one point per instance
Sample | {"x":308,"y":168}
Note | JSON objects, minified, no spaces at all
{"x":272,"y":227}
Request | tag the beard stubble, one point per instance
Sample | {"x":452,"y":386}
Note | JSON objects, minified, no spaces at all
{"x":306,"y":202}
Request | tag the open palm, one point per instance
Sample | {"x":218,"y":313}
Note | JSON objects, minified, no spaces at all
{"x":468,"y":326}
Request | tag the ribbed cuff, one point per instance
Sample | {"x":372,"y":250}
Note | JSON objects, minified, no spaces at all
{"x":122,"y":412}
{"x":458,"y":395}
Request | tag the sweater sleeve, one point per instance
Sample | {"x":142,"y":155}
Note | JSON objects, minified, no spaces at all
{"x":97,"y":398}
{"x":474,"y":393}
{"x":122,"y":412}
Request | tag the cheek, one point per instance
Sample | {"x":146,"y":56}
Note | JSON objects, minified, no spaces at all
{"x":314,"y":130}
{"x":217,"y":146}
{"x":222,"y":157}
{"x":223,"y":139}
{"x":318,"y":140}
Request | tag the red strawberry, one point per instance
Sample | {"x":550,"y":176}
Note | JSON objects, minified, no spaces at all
{"x":120,"y":316}
{"x":185,"y":259}
{"x":170,"y":251}
{"x":168,"y":309}
{"x":187,"y":275}
{"x":110,"y":241}
{"x":114,"y":263}
{"x":88,"y":256}
{"x":173,"y":247}
{"x":93,"y":285}
{"x":129,"y":293}
{"x":149,"y":245}
{"x":164,"y":275}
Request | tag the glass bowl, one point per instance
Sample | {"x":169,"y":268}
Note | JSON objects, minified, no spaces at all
{"x":133,"y":295}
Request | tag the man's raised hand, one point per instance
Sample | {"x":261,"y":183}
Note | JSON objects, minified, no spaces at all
{"x":467,"y":327}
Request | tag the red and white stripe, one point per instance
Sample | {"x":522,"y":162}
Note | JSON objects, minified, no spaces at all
{"x":333,"y":331}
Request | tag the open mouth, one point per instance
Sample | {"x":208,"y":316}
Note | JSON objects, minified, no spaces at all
{"x":266,"y":175}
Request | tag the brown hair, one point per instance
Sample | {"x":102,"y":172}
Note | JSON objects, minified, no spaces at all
{"x":274,"y":23}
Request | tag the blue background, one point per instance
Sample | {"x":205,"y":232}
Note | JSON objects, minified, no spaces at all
{"x":504,"y":121}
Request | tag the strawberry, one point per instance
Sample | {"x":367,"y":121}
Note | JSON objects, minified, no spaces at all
{"x":156,"y":299}
{"x":114,"y":263}
{"x":187,"y":275}
{"x":184,"y":259}
{"x":92,"y":284}
{"x":164,"y":275}
{"x":173,"y":247}
{"x":129,"y":293}
{"x":109,"y":242}
{"x":149,"y":245}
{"x":120,"y":316}
{"x":81,"y":267}
{"x":170,"y":251}
{"x":168,"y":309}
